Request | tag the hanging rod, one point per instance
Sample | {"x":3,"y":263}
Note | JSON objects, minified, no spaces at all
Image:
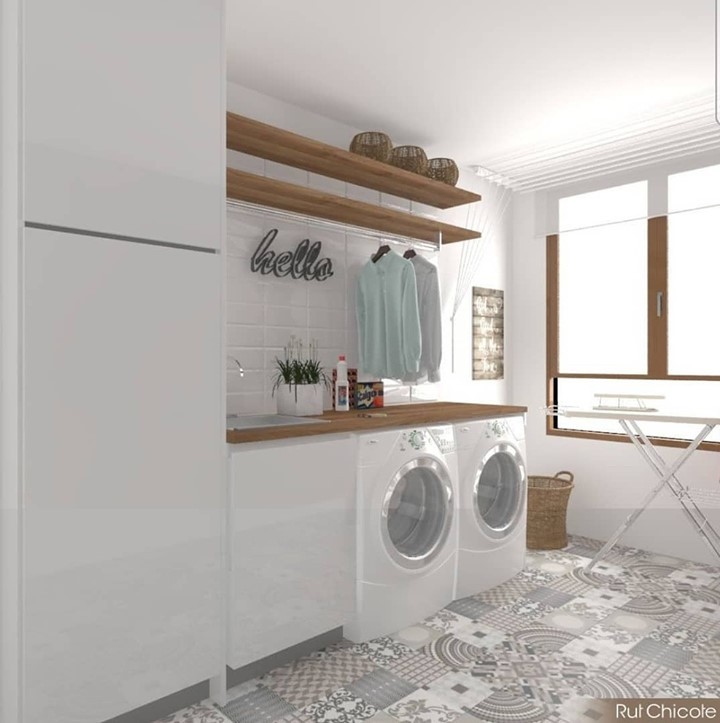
{"x":334,"y":226}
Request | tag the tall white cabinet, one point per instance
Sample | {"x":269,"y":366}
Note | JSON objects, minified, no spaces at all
{"x":122,"y":419}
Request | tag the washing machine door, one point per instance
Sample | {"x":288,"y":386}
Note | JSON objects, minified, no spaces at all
{"x":499,"y":491}
{"x":417,"y":512}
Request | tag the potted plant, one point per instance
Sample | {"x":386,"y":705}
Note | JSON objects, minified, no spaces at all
{"x":299,"y":380}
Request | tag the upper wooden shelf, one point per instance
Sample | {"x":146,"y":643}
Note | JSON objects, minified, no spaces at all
{"x":274,"y":144}
{"x":263,"y":191}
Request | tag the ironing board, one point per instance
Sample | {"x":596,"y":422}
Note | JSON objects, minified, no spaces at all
{"x":630,"y":422}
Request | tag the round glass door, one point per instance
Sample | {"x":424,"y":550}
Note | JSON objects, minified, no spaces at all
{"x":499,"y":490}
{"x":417,"y":512}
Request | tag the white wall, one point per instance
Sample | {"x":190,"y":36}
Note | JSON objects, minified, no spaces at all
{"x":611,"y":477}
{"x":264,"y":311}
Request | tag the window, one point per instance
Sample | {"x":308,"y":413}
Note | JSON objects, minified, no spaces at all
{"x":631,"y":302}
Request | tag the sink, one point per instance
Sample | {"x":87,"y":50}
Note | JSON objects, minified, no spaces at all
{"x":254,"y":421}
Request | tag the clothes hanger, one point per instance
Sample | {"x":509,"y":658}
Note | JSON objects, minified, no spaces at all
{"x":409,"y":254}
{"x":382,"y":250}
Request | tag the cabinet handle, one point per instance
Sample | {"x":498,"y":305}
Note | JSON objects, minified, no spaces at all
{"x":659,"y":304}
{"x":372,"y":441}
{"x":464,"y":429}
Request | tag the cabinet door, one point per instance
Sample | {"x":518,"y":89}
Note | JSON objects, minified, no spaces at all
{"x":125,"y":117}
{"x":123,"y":474}
{"x":293,"y":544}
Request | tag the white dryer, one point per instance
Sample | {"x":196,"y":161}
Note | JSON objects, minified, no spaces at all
{"x":407,"y":488}
{"x":493,"y":502}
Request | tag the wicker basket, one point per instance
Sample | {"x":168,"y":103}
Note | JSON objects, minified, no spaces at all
{"x":372,"y":144}
{"x":411,"y":158}
{"x":443,"y":169}
{"x":546,"y":512}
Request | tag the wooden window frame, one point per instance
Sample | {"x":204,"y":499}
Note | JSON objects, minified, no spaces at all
{"x":657,"y":249}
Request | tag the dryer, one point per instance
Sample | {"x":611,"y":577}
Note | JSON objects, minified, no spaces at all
{"x":407,"y":490}
{"x":492,"y":502}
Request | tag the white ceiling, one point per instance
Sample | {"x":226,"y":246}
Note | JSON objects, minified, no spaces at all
{"x":475,"y":79}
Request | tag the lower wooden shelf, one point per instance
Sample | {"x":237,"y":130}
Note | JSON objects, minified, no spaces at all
{"x":251,"y":188}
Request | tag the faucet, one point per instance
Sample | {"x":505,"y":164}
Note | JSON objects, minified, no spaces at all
{"x":238,"y":364}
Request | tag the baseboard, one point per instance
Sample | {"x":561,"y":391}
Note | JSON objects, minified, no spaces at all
{"x":265,"y":665}
{"x":165,"y":706}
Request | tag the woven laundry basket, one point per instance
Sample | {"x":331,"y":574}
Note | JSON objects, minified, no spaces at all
{"x":547,"y":509}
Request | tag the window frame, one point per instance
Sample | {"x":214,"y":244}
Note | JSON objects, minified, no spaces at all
{"x":657,"y":331}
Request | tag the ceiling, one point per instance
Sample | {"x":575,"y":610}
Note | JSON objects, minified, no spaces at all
{"x":474,"y":79}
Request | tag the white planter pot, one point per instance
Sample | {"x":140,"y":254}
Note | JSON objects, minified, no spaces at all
{"x":299,"y":400}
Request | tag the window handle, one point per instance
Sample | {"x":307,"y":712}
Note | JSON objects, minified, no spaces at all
{"x":659,"y":304}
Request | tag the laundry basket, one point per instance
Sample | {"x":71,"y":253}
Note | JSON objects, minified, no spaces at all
{"x":547,"y":509}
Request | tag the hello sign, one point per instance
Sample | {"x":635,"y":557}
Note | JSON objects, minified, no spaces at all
{"x":302,"y":263}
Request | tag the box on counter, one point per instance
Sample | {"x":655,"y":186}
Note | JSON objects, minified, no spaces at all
{"x":369,"y":395}
{"x":352,"y":381}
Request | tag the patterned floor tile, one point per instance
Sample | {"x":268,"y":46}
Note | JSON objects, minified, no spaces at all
{"x":696,"y":578}
{"x":635,"y":624}
{"x":685,"y":686}
{"x":581,"y":709}
{"x":470,"y":607}
{"x":607,"y":598}
{"x":342,"y":706}
{"x":655,"y":607}
{"x":708,"y":626}
{"x":446,"y":621}
{"x":567,"y":621}
{"x":671,"y":656}
{"x":592,"y":653}
{"x":617,"y":639}
{"x":381,"y":688}
{"x":639,"y":671}
{"x":548,"y":596}
{"x":417,"y":669}
{"x":296,"y":717}
{"x":416,"y":636}
{"x":702,"y":598}
{"x":381,"y":650}
{"x":556,"y":566}
{"x":504,"y":621}
{"x":505,"y":593}
{"x":460,"y":689}
{"x":685,"y":637}
{"x":585,"y":607}
{"x":510,"y":706}
{"x":200,"y":713}
{"x":603,"y":683}
{"x":543,"y":638}
{"x":423,"y":706}
{"x":648,"y":568}
{"x":259,"y":706}
{"x":453,"y":652}
{"x":705,"y":664}
{"x":528,"y":610}
{"x":306,"y":680}
{"x":547,"y":677}
{"x":382,"y":717}
{"x":480,"y":635}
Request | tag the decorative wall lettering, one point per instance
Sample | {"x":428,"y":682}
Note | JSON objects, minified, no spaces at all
{"x":303,"y":263}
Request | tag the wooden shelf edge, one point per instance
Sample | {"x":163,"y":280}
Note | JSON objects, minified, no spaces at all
{"x":274,"y":144}
{"x":289,"y":197}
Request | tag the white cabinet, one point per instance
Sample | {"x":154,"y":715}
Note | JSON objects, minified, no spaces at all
{"x":125,"y":117}
{"x":292,"y":543}
{"x":124,"y":486}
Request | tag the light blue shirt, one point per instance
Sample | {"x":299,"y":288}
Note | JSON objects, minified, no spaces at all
{"x":388,"y":320}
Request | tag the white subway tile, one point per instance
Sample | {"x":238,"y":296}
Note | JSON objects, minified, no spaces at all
{"x":358,"y":193}
{"x":286,"y":173}
{"x":326,"y":298}
{"x":328,"y":185}
{"x":244,"y":335}
{"x":289,"y":293}
{"x":295,"y":316}
{"x":320,"y":318}
{"x":241,"y":313}
{"x":244,"y":403}
{"x":245,"y":162}
{"x":278,"y":336}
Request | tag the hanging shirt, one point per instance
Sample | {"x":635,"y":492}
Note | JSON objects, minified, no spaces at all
{"x":388,"y":319}
{"x":430,"y":311}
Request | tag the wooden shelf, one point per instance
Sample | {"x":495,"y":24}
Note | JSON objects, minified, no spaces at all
{"x":249,"y":187}
{"x":274,"y":144}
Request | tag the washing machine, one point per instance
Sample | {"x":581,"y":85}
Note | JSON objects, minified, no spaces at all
{"x":407,"y":496}
{"x":492,"y":502}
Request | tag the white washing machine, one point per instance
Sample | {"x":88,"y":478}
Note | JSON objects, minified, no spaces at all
{"x":407,"y":487}
{"x":492,"y":502}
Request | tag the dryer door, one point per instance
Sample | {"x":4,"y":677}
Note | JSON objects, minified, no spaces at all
{"x":417,"y":512}
{"x":499,"y":491}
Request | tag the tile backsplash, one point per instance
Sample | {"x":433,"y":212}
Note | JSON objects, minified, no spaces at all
{"x":264,"y":311}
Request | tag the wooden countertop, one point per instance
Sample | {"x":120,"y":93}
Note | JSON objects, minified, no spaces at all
{"x":395,"y":415}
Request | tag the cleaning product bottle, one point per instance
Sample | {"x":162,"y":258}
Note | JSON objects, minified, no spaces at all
{"x":342,"y":388}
